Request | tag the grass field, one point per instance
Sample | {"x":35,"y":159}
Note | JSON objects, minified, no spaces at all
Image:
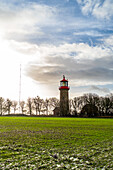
{"x":56,"y":143}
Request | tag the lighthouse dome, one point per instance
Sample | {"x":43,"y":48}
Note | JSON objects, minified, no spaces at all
{"x":64,"y":84}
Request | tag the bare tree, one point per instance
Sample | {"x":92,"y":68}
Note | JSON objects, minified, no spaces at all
{"x":38,"y":104}
{"x":14,"y":105}
{"x":54,"y":102}
{"x":8,"y":105}
{"x":107,"y":105}
{"x":110,"y":112}
{"x":78,"y":103}
{"x":2,"y":104}
{"x":46,"y":105}
{"x":74,"y":104}
{"x":90,"y":98}
{"x":30,"y":105}
{"x":81,"y":101}
{"x":22,"y":105}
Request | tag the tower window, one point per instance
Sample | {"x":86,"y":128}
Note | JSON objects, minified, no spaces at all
{"x":64,"y":83}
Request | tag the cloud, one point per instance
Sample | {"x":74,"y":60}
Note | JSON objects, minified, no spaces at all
{"x":78,"y":52}
{"x":104,"y":11}
{"x":109,"y":41}
{"x":87,"y":5}
{"x":99,"y":9}
{"x":78,"y":74}
{"x":38,"y":23}
{"x":25,"y":20}
{"x":80,"y":62}
{"x":100,"y":89}
{"x":92,"y":33}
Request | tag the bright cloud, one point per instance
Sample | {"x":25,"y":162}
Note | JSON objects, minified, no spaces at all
{"x":105,"y":10}
{"x":78,"y":61}
{"x":20,"y":22}
{"x":99,"y":8}
{"x":109,"y":41}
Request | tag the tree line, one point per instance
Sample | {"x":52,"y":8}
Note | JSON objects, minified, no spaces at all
{"x":87,"y":105}
{"x":92,"y":105}
{"x":35,"y":106}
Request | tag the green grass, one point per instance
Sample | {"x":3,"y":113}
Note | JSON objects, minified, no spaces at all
{"x":56,"y":143}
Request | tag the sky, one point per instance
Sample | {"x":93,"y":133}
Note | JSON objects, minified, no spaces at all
{"x":51,"y":38}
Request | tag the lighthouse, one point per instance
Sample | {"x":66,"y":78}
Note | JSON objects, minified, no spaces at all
{"x":64,"y":97}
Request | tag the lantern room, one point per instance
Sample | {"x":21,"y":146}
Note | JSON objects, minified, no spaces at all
{"x":64,"y":84}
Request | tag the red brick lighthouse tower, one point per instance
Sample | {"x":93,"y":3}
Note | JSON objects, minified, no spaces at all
{"x":64,"y":97}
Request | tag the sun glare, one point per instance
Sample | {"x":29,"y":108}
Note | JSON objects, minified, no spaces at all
{"x":10,"y":61}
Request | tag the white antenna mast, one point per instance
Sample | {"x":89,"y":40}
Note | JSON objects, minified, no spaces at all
{"x":20,"y":89}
